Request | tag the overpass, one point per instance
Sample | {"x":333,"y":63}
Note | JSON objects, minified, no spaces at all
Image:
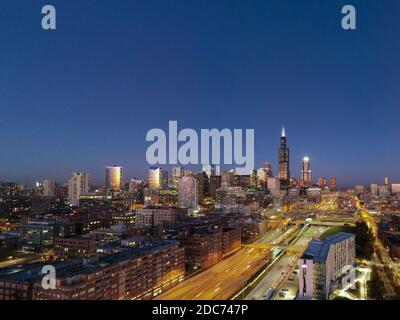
{"x":293,"y":249}
{"x":322,"y":223}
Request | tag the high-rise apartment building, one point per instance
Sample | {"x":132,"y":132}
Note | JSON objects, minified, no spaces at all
{"x":202,"y":185}
{"x":187,"y":190}
{"x":373,"y":188}
{"x":384,"y":191}
{"x":48,"y":188}
{"x":78,"y":185}
{"x":395,"y":188}
{"x":176,"y":175}
{"x":215,"y":184}
{"x":262,"y":176}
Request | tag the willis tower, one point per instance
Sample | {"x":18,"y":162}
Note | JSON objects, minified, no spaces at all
{"x":283,"y":170}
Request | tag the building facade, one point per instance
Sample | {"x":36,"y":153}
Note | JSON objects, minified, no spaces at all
{"x":306,"y":175}
{"x":323,"y":263}
{"x":283,"y":160}
{"x":114,"y":178}
{"x":78,"y":185}
{"x":187,"y":193}
{"x":130,"y":274}
{"x":158,"y":178}
{"x":154,"y":217}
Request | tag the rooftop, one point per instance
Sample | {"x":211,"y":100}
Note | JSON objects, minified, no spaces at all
{"x":8,"y":235}
{"x":66,"y":269}
{"x":318,"y":249}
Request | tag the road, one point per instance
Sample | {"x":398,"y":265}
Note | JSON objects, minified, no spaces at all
{"x":233,"y":274}
{"x":22,"y":260}
{"x":279,"y":275}
{"x":274,"y":278}
{"x":227,"y":277}
{"x":28,"y":258}
{"x":390,"y":277}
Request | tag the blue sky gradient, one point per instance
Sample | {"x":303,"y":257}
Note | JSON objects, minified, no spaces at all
{"x":84,"y":96}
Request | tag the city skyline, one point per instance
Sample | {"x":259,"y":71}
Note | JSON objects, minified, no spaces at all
{"x":186,"y":152}
{"x":222,"y":65}
{"x":282,"y":161}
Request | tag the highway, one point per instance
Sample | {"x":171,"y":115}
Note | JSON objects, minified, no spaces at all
{"x":274,"y":278}
{"x":233,"y":275}
{"x":283,"y":270}
{"x":227,"y":277}
{"x":28,"y":258}
{"x":22,"y":261}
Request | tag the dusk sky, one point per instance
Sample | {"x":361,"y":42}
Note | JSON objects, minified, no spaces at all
{"x":84,"y":96}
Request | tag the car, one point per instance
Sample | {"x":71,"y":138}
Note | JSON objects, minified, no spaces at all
{"x":285,"y":289}
{"x":269,"y":294}
{"x":282,"y":294}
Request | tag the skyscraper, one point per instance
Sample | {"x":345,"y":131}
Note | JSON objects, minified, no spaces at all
{"x":187,"y":190}
{"x":306,"y":176}
{"x":268,"y":169}
{"x":48,"y":188}
{"x":262,"y":175}
{"x":209,"y":169}
{"x":78,"y":185}
{"x":114,"y":178}
{"x":283,"y":169}
{"x":322,"y":183}
{"x":202,"y":185}
{"x":158,"y":178}
{"x":386,"y":180}
{"x":176,"y":175}
{"x":373,"y":188}
{"x":217,"y":169}
{"x":333,"y":185}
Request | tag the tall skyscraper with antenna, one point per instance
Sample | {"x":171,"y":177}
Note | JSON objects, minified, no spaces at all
{"x":283,"y":162}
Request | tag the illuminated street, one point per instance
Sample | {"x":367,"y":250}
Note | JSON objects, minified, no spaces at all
{"x":227,"y":277}
{"x":222,"y":280}
{"x":278,"y":276}
{"x":381,"y":255}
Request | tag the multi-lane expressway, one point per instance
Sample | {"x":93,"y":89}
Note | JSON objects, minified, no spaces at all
{"x":250,"y":272}
{"x":227,"y":277}
{"x":282,"y":276}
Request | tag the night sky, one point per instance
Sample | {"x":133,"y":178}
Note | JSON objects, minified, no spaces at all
{"x":84,"y":96}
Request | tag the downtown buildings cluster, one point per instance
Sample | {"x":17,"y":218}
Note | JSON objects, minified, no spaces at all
{"x":137,"y":239}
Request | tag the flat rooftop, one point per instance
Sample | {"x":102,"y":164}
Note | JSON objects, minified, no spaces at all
{"x":318,"y":250}
{"x":66,"y":269}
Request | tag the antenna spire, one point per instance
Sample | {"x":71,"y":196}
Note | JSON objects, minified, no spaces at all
{"x":283,"y":132}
